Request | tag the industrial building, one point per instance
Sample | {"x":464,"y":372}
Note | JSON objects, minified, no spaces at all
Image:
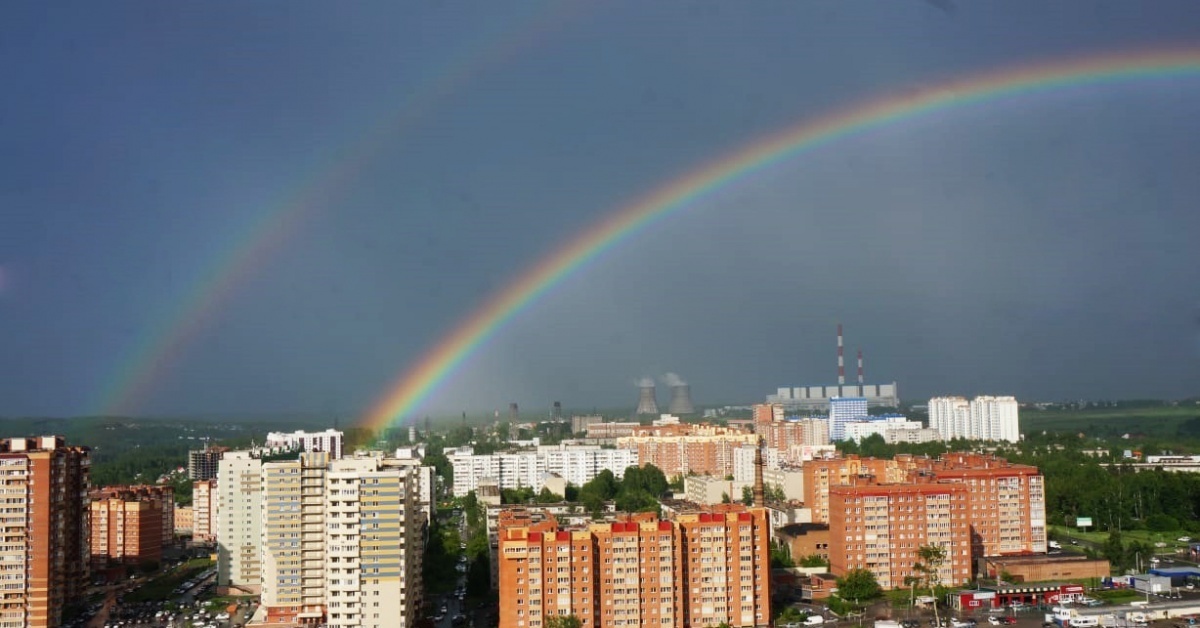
{"x":816,"y":398}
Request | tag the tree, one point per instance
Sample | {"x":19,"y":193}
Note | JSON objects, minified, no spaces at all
{"x":563,"y":621}
{"x":858,"y":585}
{"x":747,"y":496}
{"x":930,"y":559}
{"x":814,"y":560}
{"x":1114,"y":550}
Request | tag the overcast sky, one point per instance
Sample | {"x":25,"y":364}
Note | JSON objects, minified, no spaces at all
{"x":408,"y":159}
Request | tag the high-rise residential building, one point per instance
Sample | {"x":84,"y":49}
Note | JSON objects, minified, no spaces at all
{"x":373,"y":544}
{"x":784,"y":435}
{"x":205,"y":506}
{"x":686,"y":449}
{"x":576,"y":464}
{"x":239,"y":523}
{"x":983,"y":418}
{"x":293,"y":539}
{"x":126,"y":528}
{"x":698,"y":569}
{"x":842,"y":410}
{"x":44,"y":539}
{"x":764,"y":413}
{"x":1007,"y":502}
{"x":330,"y":441}
{"x":204,"y":463}
{"x":881,"y":528}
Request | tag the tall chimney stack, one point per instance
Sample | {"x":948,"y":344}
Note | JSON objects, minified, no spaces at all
{"x":760,"y":493}
{"x":860,"y":372}
{"x":841,"y":359}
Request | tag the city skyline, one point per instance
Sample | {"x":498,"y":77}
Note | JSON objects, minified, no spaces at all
{"x":387,"y":214}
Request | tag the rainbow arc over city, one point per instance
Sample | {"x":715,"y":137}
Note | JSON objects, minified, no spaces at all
{"x":416,"y":384}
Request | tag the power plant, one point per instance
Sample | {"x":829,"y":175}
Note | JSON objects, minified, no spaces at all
{"x":681,"y":400}
{"x":809,"y":398}
{"x":647,"y":400}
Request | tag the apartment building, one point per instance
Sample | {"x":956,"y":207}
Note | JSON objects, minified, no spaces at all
{"x":1007,"y":502}
{"x":882,"y":425}
{"x":784,"y":435}
{"x":205,"y":506}
{"x":880,"y":528}
{"x":686,"y":449}
{"x":185,"y":518}
{"x":239,"y":523}
{"x":293,"y":539}
{"x":330,"y":441}
{"x":699,"y":568}
{"x":765,"y":413}
{"x":822,"y":475}
{"x":44,"y":537}
{"x":843,"y":410}
{"x":127,"y":525}
{"x":576,"y":464}
{"x":373,"y":544}
{"x":983,"y":418}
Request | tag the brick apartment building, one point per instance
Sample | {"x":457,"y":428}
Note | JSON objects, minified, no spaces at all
{"x":697,"y":569}
{"x":44,"y":531}
{"x":127,"y":526}
{"x":686,"y":448}
{"x":880,"y":511}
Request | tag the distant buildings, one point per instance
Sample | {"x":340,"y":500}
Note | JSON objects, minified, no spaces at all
{"x":576,"y":464}
{"x":45,"y":536}
{"x":694,"y":569}
{"x":983,"y":418}
{"x":329,"y":441}
{"x":884,"y":425}
{"x":688,"y":449}
{"x":843,"y":410}
{"x":816,"y":398}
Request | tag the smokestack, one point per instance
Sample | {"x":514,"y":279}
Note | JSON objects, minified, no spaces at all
{"x":841,"y":360}
{"x":760,"y":493}
{"x":647,"y":401}
{"x":681,"y":400}
{"x":860,"y":373}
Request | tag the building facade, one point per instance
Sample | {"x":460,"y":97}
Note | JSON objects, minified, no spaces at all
{"x":373,"y":544}
{"x":577,"y":464}
{"x":44,"y":545}
{"x":131,"y":525}
{"x":203,"y":464}
{"x":843,"y":410}
{"x":205,"y":506}
{"x":688,"y":449}
{"x":330,"y":441}
{"x":293,"y":539}
{"x":239,"y":523}
{"x":696,"y":569}
{"x":983,"y":418}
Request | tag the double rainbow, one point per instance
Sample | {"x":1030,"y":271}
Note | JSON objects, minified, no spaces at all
{"x":416,"y":384}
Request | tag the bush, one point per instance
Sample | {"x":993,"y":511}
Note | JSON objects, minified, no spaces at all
{"x":1162,"y":523}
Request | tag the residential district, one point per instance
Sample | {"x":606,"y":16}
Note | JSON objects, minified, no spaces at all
{"x":765,"y":515}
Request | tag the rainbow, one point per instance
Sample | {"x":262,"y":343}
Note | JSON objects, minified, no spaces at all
{"x":416,"y":384}
{"x":255,"y":242}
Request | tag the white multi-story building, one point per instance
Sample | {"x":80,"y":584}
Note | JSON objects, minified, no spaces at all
{"x":239,"y":523}
{"x":577,"y":465}
{"x":983,"y":418}
{"x":882,"y":425}
{"x":329,"y":441}
{"x":843,"y":410}
{"x":373,"y":544}
{"x":743,"y":462}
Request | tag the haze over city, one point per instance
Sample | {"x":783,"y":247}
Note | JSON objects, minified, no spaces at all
{"x":266,"y":207}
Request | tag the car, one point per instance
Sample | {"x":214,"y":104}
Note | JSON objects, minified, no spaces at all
{"x":1184,"y":539}
{"x":993,"y":620}
{"x":1008,"y":621}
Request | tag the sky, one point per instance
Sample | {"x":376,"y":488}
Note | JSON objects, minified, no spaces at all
{"x":407,"y":160}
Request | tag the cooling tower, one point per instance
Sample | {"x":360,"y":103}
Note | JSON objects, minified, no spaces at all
{"x":647,"y":404}
{"x":681,"y":400}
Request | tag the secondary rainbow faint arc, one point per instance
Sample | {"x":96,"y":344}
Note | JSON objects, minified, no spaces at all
{"x":417,"y":383}
{"x":258,"y":239}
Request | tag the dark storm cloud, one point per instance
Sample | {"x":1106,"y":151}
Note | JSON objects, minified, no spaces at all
{"x":1039,"y":245}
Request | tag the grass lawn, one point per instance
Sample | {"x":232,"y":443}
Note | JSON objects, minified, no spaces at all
{"x":1152,"y":420}
{"x":1144,"y":536}
{"x":1117,"y":596}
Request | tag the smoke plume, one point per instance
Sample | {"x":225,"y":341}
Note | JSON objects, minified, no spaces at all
{"x":673,"y":379}
{"x":645,"y":382}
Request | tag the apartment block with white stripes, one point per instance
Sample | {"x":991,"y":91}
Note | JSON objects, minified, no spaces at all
{"x":576,"y":464}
